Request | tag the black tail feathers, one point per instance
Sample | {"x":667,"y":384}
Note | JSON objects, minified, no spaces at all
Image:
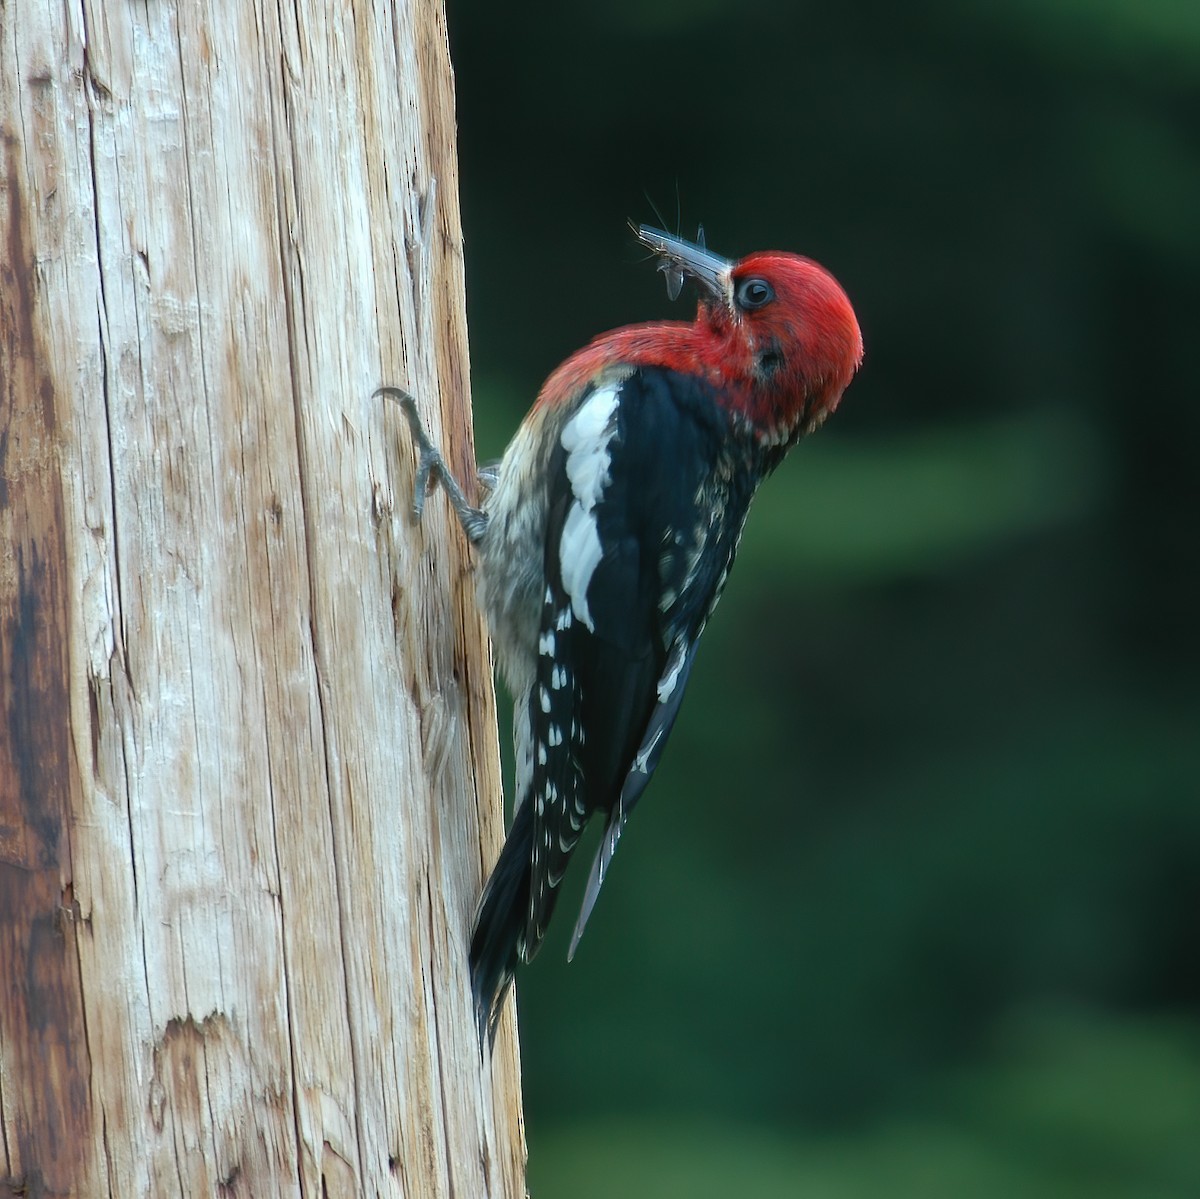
{"x":498,"y":938}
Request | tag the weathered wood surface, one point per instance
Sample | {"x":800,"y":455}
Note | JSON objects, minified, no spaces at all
{"x":248,"y":771}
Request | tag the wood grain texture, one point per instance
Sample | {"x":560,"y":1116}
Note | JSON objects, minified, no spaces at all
{"x":248,"y":770}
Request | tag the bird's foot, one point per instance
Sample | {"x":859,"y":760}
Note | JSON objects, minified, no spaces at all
{"x":432,"y":469}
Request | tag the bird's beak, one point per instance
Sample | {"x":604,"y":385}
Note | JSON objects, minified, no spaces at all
{"x":678,"y":258}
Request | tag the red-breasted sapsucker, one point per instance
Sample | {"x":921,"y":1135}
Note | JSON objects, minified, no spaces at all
{"x":604,"y":542}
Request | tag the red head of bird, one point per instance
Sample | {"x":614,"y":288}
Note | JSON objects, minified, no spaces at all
{"x":774,"y":333}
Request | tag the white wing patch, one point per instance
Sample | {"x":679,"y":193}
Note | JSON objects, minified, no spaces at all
{"x":586,"y":438}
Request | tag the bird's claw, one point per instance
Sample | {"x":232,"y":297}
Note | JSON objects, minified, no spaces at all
{"x":429,"y":461}
{"x":428,"y":472}
{"x":431,"y":469}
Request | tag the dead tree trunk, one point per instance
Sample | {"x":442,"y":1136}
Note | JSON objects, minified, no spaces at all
{"x":248,"y":769}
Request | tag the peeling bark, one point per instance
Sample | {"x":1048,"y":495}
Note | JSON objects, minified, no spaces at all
{"x":248,"y":768}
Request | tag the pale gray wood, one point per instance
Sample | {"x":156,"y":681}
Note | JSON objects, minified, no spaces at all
{"x":249,"y":781}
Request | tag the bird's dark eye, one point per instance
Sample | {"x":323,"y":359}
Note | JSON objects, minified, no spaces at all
{"x":753,"y":293}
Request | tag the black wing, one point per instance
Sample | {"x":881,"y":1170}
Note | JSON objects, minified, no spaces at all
{"x":647,"y":505}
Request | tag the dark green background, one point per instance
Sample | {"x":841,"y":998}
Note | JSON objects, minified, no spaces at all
{"x":912,"y":907}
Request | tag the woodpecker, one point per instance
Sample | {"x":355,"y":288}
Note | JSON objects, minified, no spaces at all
{"x":603,"y":543}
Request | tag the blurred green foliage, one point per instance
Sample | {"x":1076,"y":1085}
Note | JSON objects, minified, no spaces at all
{"x":913,"y":904}
{"x":1067,"y":1107}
